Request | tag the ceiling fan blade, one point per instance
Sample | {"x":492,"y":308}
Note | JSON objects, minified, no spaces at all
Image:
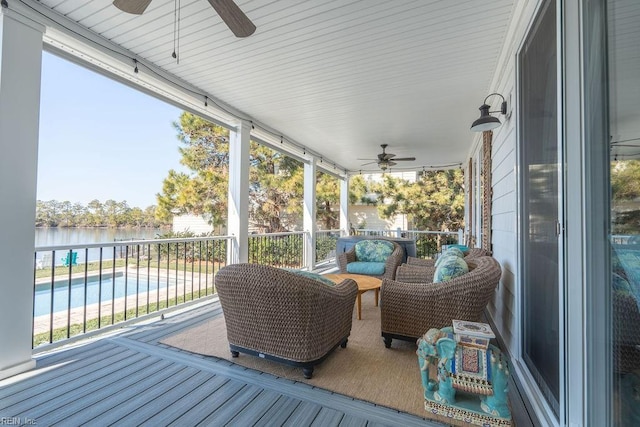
{"x":132,"y":6}
{"x":391,"y":163}
{"x":403,"y":159}
{"x":236,"y":20}
{"x":385,"y":156}
{"x":369,"y":163}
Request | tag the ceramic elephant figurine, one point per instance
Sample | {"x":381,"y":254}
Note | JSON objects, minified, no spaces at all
{"x":438,"y":347}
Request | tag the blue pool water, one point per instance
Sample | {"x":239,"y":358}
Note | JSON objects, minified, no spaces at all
{"x":109,"y":287}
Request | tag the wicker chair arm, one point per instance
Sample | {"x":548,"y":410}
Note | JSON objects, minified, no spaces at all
{"x":420,"y":262}
{"x":345,"y":258}
{"x":394,"y":260}
{"x":414,"y":274}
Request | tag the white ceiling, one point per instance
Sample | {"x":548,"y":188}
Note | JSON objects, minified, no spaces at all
{"x":340,"y":77}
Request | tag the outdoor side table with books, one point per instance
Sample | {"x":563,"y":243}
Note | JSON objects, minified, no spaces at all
{"x":471,"y":375}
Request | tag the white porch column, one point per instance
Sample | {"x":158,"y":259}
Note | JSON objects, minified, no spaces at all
{"x":238,"y":213}
{"x":344,"y":206}
{"x":309,"y":223}
{"x":20,"y":67}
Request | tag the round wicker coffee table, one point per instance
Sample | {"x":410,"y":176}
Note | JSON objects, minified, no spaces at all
{"x":365,"y":283}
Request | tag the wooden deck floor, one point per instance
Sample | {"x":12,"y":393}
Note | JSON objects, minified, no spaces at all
{"x":128,"y":378}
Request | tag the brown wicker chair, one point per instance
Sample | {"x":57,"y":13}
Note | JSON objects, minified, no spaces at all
{"x":282,"y":316}
{"x":408,"y":310}
{"x":418,"y":270}
{"x":392,"y":263}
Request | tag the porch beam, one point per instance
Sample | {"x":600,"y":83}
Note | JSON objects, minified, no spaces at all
{"x":20,"y":65}
{"x":309,"y":214}
{"x":238,"y":200}
{"x":344,"y":206}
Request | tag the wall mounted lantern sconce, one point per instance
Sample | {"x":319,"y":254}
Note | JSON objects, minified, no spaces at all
{"x":487,"y":121}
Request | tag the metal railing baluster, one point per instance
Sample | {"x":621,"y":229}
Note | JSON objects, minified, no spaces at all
{"x":100,"y":289}
{"x":53,"y":284}
{"x":70,"y":273}
{"x":86,"y":275}
{"x":113,"y":288}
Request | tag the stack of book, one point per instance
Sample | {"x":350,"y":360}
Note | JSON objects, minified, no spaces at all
{"x":472,"y":334}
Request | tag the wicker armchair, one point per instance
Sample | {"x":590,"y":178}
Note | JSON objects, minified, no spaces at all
{"x":279,"y":315}
{"x":418,"y":270}
{"x":392,"y":262}
{"x":408,"y":310}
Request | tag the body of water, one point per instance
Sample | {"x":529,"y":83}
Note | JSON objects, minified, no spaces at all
{"x":82,"y":236}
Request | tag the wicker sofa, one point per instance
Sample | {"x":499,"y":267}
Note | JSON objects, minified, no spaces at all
{"x":391,"y":263}
{"x":282,"y":316}
{"x":408,"y":310}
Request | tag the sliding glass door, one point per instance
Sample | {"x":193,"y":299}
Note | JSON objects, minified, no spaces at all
{"x":624,"y":130}
{"x":540,"y":196}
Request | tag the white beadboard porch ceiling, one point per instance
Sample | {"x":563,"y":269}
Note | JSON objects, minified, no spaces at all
{"x":340,"y":77}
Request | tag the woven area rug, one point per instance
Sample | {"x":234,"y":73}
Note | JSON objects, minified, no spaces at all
{"x":364,"y":370}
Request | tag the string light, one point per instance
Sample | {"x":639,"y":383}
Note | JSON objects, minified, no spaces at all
{"x":135,"y":62}
{"x":206,"y":104}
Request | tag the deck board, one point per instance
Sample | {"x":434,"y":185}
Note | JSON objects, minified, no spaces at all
{"x":256,"y":409}
{"x":145,"y":391}
{"x":75,"y":391}
{"x":129,"y":378}
{"x":61,"y":384}
{"x":327,"y":418}
{"x":280,"y":412}
{"x":303,"y":415}
{"x":121,"y":391}
{"x":38,"y":379}
{"x":226,"y":412}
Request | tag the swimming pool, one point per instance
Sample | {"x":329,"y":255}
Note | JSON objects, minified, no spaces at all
{"x":107,"y":288}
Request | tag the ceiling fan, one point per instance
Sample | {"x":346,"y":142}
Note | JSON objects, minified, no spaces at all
{"x":230,"y":13}
{"x":386,"y":160}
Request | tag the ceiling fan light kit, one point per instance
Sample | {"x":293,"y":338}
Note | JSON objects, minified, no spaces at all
{"x":487,"y":121}
{"x":386,"y":160}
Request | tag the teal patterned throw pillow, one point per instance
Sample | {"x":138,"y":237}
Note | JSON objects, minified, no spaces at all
{"x":450,"y":268}
{"x":463,"y":248}
{"x":373,"y":250}
{"x":442,"y":258}
{"x":454,"y":251}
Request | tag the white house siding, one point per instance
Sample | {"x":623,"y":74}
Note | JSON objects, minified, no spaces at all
{"x":504,"y":232}
{"x":193,"y":223}
{"x":366,"y":216}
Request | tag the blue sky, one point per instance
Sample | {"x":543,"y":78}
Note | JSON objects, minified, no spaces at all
{"x":100,"y":139}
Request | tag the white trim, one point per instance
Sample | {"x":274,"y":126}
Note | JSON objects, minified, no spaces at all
{"x":17,"y":369}
{"x":344,"y":206}
{"x":20,"y":80}
{"x":238,"y":200}
{"x":596,"y":257}
{"x":309,"y":214}
{"x":561,"y":169}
